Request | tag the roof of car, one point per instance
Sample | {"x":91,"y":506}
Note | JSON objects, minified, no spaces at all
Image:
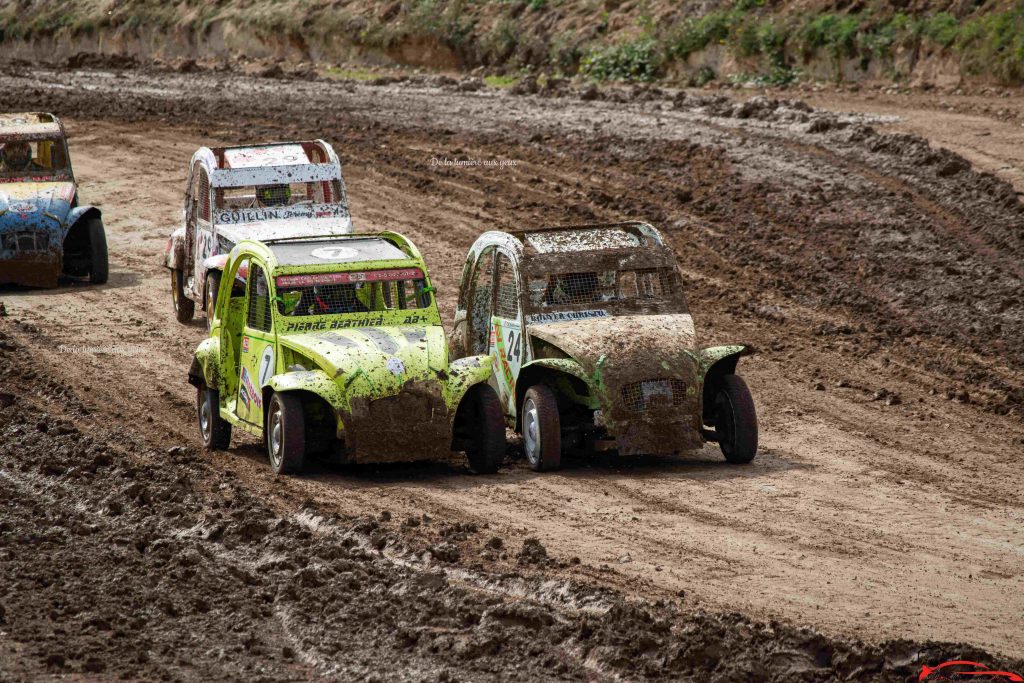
{"x":341,"y":250}
{"x":30,"y":123}
{"x":582,"y":237}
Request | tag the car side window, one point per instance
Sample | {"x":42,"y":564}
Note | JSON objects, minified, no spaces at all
{"x":480,"y":301}
{"x":506,"y":296}
{"x":203,"y":195}
{"x":258,"y":315}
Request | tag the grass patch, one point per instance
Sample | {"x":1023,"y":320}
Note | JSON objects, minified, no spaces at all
{"x":501,"y":81}
{"x":638,"y":60}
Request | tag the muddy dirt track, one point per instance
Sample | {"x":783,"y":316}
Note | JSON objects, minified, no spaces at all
{"x":879,"y":278}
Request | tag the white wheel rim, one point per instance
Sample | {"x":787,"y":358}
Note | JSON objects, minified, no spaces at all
{"x":275,"y":436}
{"x":531,"y":432}
{"x":209,"y":308}
{"x":205,"y":416}
{"x":174,"y":288}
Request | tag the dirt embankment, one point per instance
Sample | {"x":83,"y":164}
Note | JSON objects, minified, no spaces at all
{"x":939,"y":42}
{"x":125,"y":559}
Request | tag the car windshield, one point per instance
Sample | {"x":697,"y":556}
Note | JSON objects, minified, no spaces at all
{"x":45,"y":157}
{"x":352,"y":292}
{"x":572,"y":290}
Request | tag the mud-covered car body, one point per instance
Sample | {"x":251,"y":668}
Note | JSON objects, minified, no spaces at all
{"x":373,"y":375}
{"x":262,"y":192}
{"x":43,"y":229}
{"x":597,"y":314}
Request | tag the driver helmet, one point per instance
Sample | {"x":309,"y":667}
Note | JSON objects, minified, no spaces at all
{"x":274,"y":195}
{"x":16,"y":155}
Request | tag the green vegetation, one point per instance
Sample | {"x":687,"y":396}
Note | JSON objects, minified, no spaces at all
{"x":770,"y":46}
{"x":501,"y":81}
{"x":639,"y":60}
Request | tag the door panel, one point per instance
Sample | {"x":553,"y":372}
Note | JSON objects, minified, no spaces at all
{"x":506,"y":333}
{"x":257,"y":352}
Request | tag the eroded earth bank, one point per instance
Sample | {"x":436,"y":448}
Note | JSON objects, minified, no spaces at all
{"x":878,"y":276}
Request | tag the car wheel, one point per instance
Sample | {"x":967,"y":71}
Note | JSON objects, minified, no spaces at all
{"x":542,"y":430}
{"x":215,"y":430}
{"x":184,"y":308}
{"x":488,"y":450}
{"x":99,"y":267}
{"x":212,"y":287}
{"x":735,"y":420}
{"x":286,"y":434}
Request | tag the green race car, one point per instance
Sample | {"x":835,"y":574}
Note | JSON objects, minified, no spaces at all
{"x":334,"y":346}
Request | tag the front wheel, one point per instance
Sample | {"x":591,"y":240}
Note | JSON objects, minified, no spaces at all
{"x":488,"y":450}
{"x":184,"y":308}
{"x":542,"y":430}
{"x":212,"y":287}
{"x":735,"y":420}
{"x":99,"y":267}
{"x":286,"y":434}
{"x":215,"y":430}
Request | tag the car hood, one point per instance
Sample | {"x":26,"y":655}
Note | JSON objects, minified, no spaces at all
{"x":377,"y":360}
{"x":291,"y":227}
{"x":20,"y":202}
{"x":641,"y":346}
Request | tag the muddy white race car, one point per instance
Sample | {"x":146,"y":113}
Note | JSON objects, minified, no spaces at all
{"x":263,"y":192}
{"x":594,"y":346}
{"x":44,"y":232}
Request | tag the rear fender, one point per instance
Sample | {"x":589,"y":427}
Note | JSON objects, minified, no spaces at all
{"x":716,"y":361}
{"x":463,"y":375}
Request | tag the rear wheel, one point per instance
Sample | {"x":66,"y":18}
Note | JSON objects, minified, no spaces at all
{"x":542,"y":430}
{"x":99,"y":267}
{"x":735,"y":420}
{"x":488,"y":424}
{"x":286,"y":434}
{"x":184,"y":308}
{"x":215,"y":430}
{"x":212,"y":287}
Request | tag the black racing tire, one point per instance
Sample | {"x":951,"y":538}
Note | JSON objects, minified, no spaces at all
{"x":214,"y":430}
{"x":212,"y":287}
{"x":735,"y":420}
{"x":488,"y":424}
{"x":99,"y":266}
{"x":285,"y":434}
{"x":541,"y":429}
{"x":184,"y":308}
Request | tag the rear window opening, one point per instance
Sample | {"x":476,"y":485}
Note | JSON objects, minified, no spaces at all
{"x":605,"y":286}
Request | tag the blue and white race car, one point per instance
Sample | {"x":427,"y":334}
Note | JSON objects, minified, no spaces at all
{"x":44,"y":232}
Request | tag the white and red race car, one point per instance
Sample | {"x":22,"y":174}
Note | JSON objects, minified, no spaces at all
{"x":259,"y":192}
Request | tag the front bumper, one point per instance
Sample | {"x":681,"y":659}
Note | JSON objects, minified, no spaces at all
{"x":654,"y":417}
{"x":414,"y":424}
{"x":32,"y":269}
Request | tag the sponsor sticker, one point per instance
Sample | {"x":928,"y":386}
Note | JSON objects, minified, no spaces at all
{"x":565,"y":316}
{"x":395,"y":366}
{"x":345,"y":278}
{"x":266,"y":369}
{"x":245,"y":344}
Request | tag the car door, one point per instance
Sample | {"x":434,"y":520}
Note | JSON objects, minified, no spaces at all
{"x":204,"y":241}
{"x":257,"y":357}
{"x":506,"y":334}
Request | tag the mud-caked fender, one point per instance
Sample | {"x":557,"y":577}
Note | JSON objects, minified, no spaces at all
{"x":174,"y":254}
{"x":587,"y":390}
{"x":463,"y":375}
{"x":715,"y":361}
{"x":205,"y":368}
{"x":315,"y":382}
{"x":80,"y":213}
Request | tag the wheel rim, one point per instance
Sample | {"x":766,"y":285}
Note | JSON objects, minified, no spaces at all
{"x":531,"y":433}
{"x":274,"y":438}
{"x":725,"y":424}
{"x":205,"y":416}
{"x":175,"y":284}
{"x":209,"y":307}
